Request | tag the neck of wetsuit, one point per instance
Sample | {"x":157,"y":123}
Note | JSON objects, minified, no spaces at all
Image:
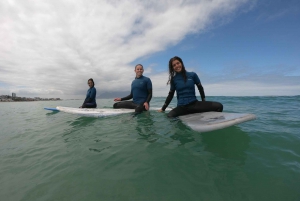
{"x":139,"y":77}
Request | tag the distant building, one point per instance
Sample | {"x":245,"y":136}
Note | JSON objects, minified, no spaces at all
{"x":8,"y":98}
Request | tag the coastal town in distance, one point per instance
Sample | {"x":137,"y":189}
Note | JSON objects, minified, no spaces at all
{"x":14,"y":97}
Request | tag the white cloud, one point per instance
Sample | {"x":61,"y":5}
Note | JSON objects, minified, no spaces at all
{"x":55,"y":46}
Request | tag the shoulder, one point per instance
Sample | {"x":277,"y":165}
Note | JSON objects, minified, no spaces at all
{"x":191,"y":73}
{"x":146,"y":78}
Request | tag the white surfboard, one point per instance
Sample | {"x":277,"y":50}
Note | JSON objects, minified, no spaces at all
{"x":94,"y":112}
{"x":209,"y":121}
{"x":202,"y":122}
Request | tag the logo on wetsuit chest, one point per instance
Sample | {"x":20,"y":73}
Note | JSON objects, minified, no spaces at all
{"x":189,"y":78}
{"x":141,"y":82}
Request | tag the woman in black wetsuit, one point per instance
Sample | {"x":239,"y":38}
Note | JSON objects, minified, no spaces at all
{"x":183,"y":83}
{"x":90,"y":99}
{"x":141,"y":92}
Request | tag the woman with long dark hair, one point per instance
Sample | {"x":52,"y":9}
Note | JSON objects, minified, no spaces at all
{"x":183,"y":83}
{"x":90,"y":99}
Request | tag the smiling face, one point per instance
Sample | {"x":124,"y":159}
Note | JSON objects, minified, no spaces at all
{"x":139,"y":71}
{"x":177,"y":66}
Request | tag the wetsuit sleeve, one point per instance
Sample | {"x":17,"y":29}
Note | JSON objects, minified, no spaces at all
{"x":201,"y":91}
{"x":168,"y":100}
{"x":149,"y":88}
{"x":149,"y":84}
{"x":199,"y":86}
{"x":85,"y":101}
{"x":130,"y":96}
{"x":172,"y":86}
{"x":93,"y":94}
{"x":196,"y":79}
{"x":149,"y":96}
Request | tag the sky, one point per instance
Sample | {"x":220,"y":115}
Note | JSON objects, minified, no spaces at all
{"x":51,"y":48}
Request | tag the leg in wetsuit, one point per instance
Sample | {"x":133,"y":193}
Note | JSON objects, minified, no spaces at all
{"x":130,"y":105}
{"x":196,"y":107}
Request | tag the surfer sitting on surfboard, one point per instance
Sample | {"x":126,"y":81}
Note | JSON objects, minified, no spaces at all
{"x":183,"y":83}
{"x":90,"y":100}
{"x":141,"y":93}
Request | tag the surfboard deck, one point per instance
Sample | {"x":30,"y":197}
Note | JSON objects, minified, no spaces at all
{"x":209,"y":121}
{"x":94,"y":112}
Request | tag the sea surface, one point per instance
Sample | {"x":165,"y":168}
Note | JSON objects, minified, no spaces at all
{"x":47,"y":155}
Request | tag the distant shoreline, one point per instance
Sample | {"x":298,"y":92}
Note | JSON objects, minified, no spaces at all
{"x":27,"y":101}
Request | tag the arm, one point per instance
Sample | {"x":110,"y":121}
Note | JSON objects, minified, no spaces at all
{"x":201,"y":91}
{"x":91,"y":96}
{"x":199,"y":86}
{"x":149,"y":96}
{"x":130,"y":96}
{"x":146,"y":104}
{"x":168,"y":100}
{"x":149,"y":88}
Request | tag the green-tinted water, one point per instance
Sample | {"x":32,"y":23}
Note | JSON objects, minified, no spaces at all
{"x":48,"y":155}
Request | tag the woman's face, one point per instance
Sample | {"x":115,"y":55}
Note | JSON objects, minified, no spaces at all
{"x":177,"y":66}
{"x":90,"y":83}
{"x":139,"y":71}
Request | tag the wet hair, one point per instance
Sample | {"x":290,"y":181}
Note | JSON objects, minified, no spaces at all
{"x":91,"y":79}
{"x":138,"y":65}
{"x":172,"y":72}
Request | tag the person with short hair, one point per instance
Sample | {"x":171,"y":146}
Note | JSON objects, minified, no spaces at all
{"x":141,"y":93}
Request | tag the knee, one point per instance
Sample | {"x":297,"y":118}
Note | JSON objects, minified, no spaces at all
{"x":115,"y":105}
{"x":219,"y":107}
{"x":139,"y":109}
{"x":171,"y":114}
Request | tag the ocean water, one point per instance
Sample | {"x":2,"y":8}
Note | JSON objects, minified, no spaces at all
{"x":48,"y":155}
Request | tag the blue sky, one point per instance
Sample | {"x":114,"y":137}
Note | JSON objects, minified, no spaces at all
{"x":237,"y":47}
{"x":261,"y":44}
